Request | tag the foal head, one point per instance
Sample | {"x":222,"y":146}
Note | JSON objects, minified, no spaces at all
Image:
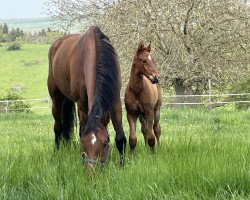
{"x":95,"y":146}
{"x":145,"y":64}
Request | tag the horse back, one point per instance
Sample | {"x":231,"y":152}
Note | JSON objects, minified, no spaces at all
{"x":70,"y":59}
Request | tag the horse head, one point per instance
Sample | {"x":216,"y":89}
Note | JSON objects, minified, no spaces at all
{"x":95,"y":146}
{"x":144,"y":62}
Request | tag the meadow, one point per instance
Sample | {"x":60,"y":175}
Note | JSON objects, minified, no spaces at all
{"x":26,"y":69}
{"x":204,"y":154}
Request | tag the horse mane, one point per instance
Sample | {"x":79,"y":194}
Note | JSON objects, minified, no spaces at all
{"x":107,"y":80}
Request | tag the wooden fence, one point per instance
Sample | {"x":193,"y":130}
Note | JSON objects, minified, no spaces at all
{"x":207,"y":100}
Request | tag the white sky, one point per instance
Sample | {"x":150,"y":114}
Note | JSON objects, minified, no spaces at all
{"x":21,"y":9}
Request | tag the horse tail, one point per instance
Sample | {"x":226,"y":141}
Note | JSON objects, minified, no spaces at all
{"x":107,"y":80}
{"x":68,"y":118}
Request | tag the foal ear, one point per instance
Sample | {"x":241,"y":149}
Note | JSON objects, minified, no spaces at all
{"x":141,"y":46}
{"x":149,"y":47}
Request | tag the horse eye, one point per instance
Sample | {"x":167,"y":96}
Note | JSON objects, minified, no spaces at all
{"x":144,"y":61}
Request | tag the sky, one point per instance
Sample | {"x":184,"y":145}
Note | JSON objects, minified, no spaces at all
{"x":21,"y":9}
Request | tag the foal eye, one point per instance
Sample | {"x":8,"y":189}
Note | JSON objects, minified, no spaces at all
{"x":144,"y":61}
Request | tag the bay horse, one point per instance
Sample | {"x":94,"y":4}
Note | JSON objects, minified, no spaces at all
{"x":84,"y":68}
{"x":143,"y":98}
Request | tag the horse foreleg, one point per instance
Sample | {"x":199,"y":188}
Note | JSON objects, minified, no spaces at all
{"x":150,"y":136}
{"x":157,"y":127}
{"x":120,"y":138}
{"x":143,"y":127}
{"x":132,"y":131}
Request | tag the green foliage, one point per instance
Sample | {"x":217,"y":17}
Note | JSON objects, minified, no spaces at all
{"x":5,"y":29}
{"x":243,"y":87}
{"x":4,"y":38}
{"x":15,"y":33}
{"x":203,"y":155}
{"x":31,"y":36}
{"x":12,"y":105}
{"x":13,"y":46}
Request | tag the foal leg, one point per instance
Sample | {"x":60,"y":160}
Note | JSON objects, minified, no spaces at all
{"x":120,"y":138}
{"x":150,"y":135}
{"x":132,"y":131}
{"x":157,"y":127}
{"x":143,"y":127}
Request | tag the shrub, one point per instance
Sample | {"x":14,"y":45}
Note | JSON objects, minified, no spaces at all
{"x":14,"y":47}
{"x":244,"y":87}
{"x":13,"y":106}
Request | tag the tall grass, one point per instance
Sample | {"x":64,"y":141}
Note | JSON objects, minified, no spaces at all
{"x":203,"y":155}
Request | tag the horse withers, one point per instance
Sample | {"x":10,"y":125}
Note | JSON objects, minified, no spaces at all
{"x":84,"y":68}
{"x":143,"y":98}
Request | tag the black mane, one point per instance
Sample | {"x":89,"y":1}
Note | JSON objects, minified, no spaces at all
{"x":107,"y":80}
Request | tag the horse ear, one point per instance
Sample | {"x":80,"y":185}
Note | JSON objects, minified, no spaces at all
{"x":141,"y":46}
{"x":149,"y":47}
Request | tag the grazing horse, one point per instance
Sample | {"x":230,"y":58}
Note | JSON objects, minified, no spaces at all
{"x":84,"y":68}
{"x":143,"y":98}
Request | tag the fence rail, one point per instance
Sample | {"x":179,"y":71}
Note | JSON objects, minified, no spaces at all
{"x":168,"y":100}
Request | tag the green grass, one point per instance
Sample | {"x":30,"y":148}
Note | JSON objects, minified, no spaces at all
{"x":27,"y":68}
{"x":203,"y":155}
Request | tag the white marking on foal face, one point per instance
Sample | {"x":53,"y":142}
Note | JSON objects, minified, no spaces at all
{"x":149,"y":57}
{"x":93,"y":141}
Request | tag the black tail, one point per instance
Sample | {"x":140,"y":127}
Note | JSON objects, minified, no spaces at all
{"x":68,"y":119}
{"x":107,"y":80}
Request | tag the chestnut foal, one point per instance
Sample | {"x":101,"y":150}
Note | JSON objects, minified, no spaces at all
{"x":143,"y":98}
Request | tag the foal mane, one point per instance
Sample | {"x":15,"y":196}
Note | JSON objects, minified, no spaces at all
{"x":107,"y":80}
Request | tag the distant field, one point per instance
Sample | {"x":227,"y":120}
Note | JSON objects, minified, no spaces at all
{"x":37,"y":24}
{"x":29,"y":24}
{"x":203,"y":155}
{"x":27,"y":69}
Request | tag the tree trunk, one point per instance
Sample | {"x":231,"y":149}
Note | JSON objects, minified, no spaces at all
{"x":179,"y":90}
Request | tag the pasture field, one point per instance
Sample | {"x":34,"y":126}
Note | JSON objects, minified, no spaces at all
{"x":25,"y":69}
{"x":204,"y":154}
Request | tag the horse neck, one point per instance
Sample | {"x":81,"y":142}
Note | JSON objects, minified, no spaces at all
{"x":136,"y":80}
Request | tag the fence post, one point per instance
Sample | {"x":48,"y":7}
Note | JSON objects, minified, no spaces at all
{"x":209,"y":94}
{"x":7,"y":105}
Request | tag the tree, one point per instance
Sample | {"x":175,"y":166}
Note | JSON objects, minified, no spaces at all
{"x":5,"y":29}
{"x":195,"y":40}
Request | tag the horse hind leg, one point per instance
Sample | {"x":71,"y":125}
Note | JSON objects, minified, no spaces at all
{"x":68,"y":119}
{"x":57,"y":105}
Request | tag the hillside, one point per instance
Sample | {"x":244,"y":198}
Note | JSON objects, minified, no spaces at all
{"x":26,"y":70}
{"x":28,"y":24}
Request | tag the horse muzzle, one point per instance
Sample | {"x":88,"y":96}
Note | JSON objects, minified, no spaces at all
{"x":90,"y":163}
{"x":154,"y":79}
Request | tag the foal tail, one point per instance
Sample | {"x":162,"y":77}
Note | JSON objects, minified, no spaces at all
{"x":107,"y":80}
{"x":68,"y":118}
